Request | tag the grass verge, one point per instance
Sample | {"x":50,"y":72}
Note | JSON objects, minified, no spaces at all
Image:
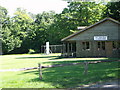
{"x":58,"y":77}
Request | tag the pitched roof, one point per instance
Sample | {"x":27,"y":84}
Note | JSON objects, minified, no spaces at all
{"x":74,"y":34}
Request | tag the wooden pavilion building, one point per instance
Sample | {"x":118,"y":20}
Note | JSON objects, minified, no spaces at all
{"x":98,"y":40}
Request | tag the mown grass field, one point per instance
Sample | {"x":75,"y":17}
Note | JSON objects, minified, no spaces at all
{"x":58,"y":77}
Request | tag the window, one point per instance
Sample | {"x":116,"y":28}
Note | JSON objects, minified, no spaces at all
{"x":101,"y":45}
{"x":114,"y":45}
{"x":66,"y":47}
{"x":83,"y":44}
{"x":98,"y":45}
{"x":119,"y":45}
{"x":74,"y":47}
{"x":86,"y":45}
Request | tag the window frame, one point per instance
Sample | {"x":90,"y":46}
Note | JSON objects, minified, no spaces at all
{"x":86,"y":46}
{"x":101,"y":45}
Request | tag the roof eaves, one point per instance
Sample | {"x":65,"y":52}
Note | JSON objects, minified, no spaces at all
{"x":114,"y":20}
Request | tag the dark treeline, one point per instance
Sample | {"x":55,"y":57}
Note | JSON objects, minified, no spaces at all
{"x":25,"y":31}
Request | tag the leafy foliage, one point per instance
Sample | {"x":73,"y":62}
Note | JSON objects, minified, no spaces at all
{"x":113,"y":10}
{"x":26,"y":31}
{"x":14,"y":30}
{"x":77,"y":14}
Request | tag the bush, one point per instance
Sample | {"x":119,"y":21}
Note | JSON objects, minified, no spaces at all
{"x":31,"y":51}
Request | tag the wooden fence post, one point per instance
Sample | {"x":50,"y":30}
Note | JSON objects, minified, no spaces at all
{"x":40,"y":71}
{"x":85,"y":68}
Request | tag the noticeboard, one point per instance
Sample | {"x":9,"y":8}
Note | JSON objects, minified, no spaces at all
{"x":100,"y":38}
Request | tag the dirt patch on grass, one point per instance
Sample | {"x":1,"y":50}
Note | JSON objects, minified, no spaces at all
{"x":108,"y":84}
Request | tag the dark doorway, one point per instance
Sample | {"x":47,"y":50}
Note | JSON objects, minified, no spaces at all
{"x":101,"y":49}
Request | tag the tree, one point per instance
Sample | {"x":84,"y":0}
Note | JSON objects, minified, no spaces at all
{"x":113,"y":10}
{"x":85,"y":13}
{"x":5,"y":33}
{"x":14,"y":30}
{"x":41,"y":28}
{"x":27,"y":31}
{"x":22,"y":25}
{"x":76,"y":14}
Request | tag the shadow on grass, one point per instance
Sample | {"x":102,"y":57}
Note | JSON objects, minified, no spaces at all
{"x":36,"y":57}
{"x":75,"y":61}
{"x":57,"y":57}
{"x":72,"y":76}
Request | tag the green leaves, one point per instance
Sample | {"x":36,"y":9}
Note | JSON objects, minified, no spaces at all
{"x":77,"y":14}
{"x":113,"y":10}
{"x":27,"y":31}
{"x":14,"y":30}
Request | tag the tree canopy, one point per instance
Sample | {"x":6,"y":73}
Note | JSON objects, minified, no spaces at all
{"x":26,"y":31}
{"x":113,"y":10}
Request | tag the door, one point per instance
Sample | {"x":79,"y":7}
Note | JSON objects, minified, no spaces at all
{"x":109,"y":48}
{"x":101,"y":49}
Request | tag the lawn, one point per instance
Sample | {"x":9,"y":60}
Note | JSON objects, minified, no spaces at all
{"x":58,"y":77}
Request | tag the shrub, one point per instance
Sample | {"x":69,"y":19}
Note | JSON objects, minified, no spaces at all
{"x":31,"y":51}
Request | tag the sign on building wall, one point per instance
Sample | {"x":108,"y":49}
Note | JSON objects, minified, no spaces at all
{"x":100,"y":38}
